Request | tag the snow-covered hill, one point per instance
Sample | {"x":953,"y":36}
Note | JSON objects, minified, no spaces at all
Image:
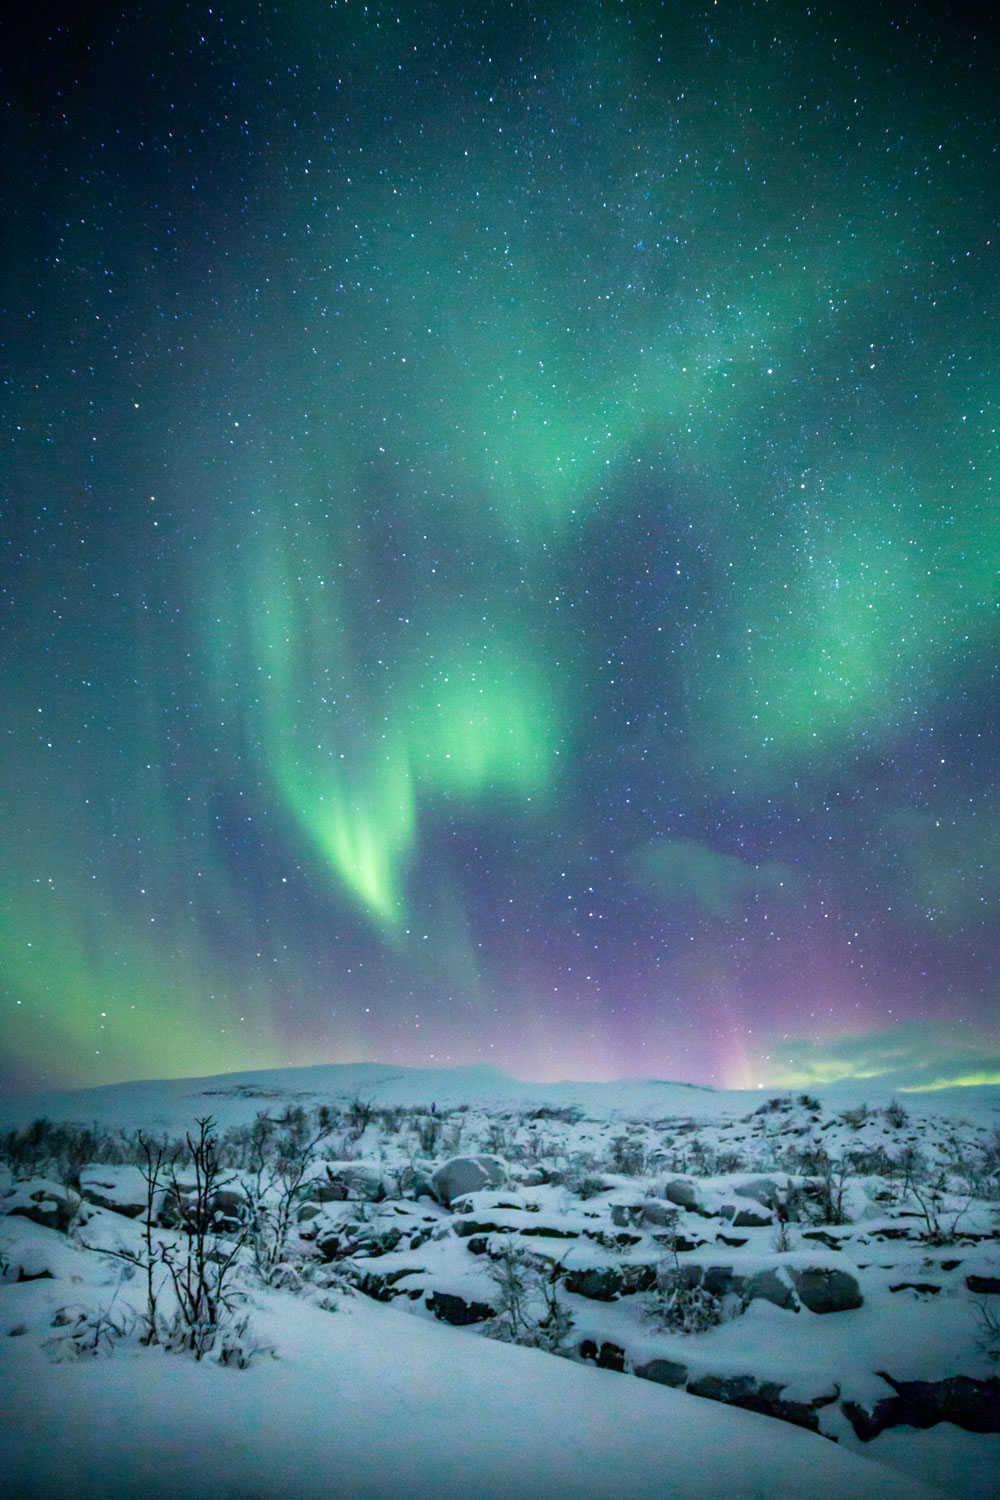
{"x":731,"y":1280}
{"x":233,"y":1097}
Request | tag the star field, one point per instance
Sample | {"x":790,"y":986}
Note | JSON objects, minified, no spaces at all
{"x":500,"y":540}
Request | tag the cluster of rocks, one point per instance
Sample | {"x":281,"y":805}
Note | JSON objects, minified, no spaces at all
{"x":381,"y":1221}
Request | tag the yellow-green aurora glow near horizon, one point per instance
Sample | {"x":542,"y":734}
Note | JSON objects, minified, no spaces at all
{"x":501,"y":544}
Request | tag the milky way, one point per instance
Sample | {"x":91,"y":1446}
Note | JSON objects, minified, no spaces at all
{"x":500,"y":540}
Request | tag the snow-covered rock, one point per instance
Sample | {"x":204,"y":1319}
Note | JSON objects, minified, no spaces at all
{"x":123,"y":1189}
{"x":467,"y":1174}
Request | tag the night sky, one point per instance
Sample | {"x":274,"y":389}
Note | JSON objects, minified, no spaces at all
{"x":499,"y":540}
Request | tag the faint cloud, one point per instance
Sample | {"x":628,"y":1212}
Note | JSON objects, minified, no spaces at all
{"x":913,"y":1055}
{"x":684,"y":872}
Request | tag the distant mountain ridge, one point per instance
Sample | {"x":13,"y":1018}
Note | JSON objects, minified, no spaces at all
{"x":234,"y":1097}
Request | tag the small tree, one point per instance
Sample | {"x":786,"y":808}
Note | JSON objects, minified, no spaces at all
{"x":829,"y":1189}
{"x":279,"y":1167}
{"x":201,"y":1270}
{"x":155,"y":1160}
{"x":360,"y":1113}
{"x":628,"y":1155}
{"x":200,"y":1266}
{"x":529,"y":1308}
{"x":679,"y":1305}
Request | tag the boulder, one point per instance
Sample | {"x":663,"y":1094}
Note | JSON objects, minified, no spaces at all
{"x":348,"y":1180}
{"x":764,"y":1189}
{"x":658,"y":1214}
{"x":663,"y":1371}
{"x":608,"y":1356}
{"x":611,"y":1357}
{"x":988,"y":1286}
{"x":49,"y":1204}
{"x":680,"y":1192}
{"x":757,"y":1395}
{"x":722,"y":1280}
{"x":455,"y":1310}
{"x":770,"y":1286}
{"x":466,"y":1227}
{"x":415,"y":1183}
{"x":600,"y":1283}
{"x":752,"y":1218}
{"x":825,"y":1291}
{"x":382,"y":1285}
{"x":123,"y":1190}
{"x":466,"y":1174}
{"x":972,"y":1404}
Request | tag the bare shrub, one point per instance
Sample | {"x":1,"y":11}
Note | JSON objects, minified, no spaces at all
{"x":678,"y":1305}
{"x":529,"y":1308}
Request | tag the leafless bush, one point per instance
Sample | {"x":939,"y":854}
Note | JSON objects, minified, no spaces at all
{"x":279,"y":1168}
{"x":529,"y":1309}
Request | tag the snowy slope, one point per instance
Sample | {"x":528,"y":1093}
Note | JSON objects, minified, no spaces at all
{"x":367,"y":1404}
{"x":385,"y":1401}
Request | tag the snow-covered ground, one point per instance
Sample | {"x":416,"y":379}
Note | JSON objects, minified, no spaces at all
{"x":821,"y":1251}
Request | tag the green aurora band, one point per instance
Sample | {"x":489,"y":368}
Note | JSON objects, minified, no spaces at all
{"x":449,"y":384}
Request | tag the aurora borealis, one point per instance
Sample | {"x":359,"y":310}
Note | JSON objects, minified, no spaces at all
{"x":500,"y":540}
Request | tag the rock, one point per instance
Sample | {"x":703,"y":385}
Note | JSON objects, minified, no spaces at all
{"x":327,"y":1191}
{"x":466,"y":1227}
{"x":721,"y":1280}
{"x":625,"y":1215}
{"x":972,"y":1404}
{"x":915,"y":1286}
{"x":229,"y":1210}
{"x":764,"y":1189}
{"x":771,"y":1286}
{"x":466,"y":1174}
{"x":608,"y":1356}
{"x":338,"y":1244}
{"x":658,"y":1214}
{"x":620,"y":1239}
{"x":752,"y":1218}
{"x":820,"y":1235}
{"x":49,"y":1204}
{"x":229,"y":1201}
{"x":374,"y":1242}
{"x":824,"y":1291}
{"x":637,"y":1278}
{"x":663,"y":1371}
{"x":753,"y":1395}
{"x":348,"y":1180}
{"x":381,"y":1285}
{"x":681,"y":1193}
{"x":414,"y":1183}
{"x":988,"y":1286}
{"x":680,"y":1242}
{"x":458,"y":1312}
{"x":600,"y":1283}
{"x":123,"y":1190}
